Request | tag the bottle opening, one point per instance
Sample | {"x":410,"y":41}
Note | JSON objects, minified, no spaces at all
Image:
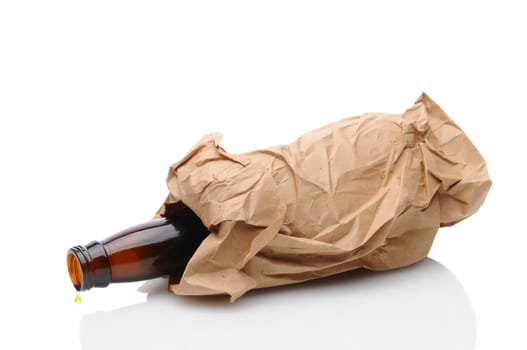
{"x":88,"y":266}
{"x":74,"y":269}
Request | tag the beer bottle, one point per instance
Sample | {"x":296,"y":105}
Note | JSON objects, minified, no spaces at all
{"x":158,"y":247}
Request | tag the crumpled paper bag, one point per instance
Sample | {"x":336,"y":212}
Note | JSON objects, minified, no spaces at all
{"x":368,"y":191}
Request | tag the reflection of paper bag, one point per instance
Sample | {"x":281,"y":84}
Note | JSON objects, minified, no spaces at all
{"x":368,"y":191}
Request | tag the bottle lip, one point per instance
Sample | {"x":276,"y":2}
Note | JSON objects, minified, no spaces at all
{"x":93,"y":264}
{"x":82,"y":259}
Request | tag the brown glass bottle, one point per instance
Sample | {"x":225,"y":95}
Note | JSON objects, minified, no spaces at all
{"x":156,"y":248}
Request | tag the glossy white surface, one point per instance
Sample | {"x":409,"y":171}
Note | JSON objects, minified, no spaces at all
{"x":423,"y":306}
{"x":97,"y":99}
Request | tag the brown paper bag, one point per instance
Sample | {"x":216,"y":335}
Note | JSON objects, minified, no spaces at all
{"x":368,"y":191}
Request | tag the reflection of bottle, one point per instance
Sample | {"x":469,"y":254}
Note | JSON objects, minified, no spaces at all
{"x":153,"y":249}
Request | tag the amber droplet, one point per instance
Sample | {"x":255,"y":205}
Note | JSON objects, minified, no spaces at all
{"x":78,"y":298}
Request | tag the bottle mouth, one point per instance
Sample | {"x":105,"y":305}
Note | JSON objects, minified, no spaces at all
{"x":75,"y":271}
{"x":88,"y":266}
{"x":79,"y":260}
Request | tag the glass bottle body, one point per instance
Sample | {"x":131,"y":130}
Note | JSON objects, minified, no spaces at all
{"x":158,"y":247}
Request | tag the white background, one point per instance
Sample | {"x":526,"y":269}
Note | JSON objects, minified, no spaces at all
{"x":98,"y":98}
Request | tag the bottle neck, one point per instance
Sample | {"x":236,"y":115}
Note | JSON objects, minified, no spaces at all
{"x":89,"y":266}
